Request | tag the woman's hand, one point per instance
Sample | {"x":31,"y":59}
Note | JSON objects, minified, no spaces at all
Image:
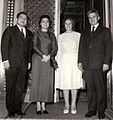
{"x":45,"y":58}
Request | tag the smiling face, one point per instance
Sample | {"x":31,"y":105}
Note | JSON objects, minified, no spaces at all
{"x":93,"y":18}
{"x":44,"y":23}
{"x":68,"y":25}
{"x":22,"y":20}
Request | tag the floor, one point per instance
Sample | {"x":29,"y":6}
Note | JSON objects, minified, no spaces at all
{"x":55,"y":111}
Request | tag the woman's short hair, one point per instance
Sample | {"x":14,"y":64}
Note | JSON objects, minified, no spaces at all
{"x":72,"y":21}
{"x":44,"y":16}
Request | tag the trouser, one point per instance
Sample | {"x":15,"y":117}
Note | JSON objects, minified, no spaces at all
{"x":15,"y":82}
{"x":95,"y":89}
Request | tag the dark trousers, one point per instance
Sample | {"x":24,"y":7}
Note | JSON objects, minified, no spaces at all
{"x":95,"y":89}
{"x":15,"y":83}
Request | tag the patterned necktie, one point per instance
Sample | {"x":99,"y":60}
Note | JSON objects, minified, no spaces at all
{"x":22,"y":33}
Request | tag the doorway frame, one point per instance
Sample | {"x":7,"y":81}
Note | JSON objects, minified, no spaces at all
{"x":109,"y":23}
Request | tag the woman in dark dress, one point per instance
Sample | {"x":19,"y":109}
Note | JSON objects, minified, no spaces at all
{"x":45,"y":49}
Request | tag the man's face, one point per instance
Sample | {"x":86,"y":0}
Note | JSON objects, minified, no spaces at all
{"x":93,"y":18}
{"x":22,"y":20}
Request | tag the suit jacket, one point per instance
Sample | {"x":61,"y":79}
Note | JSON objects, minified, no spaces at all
{"x":95,"y":50}
{"x":14,"y":47}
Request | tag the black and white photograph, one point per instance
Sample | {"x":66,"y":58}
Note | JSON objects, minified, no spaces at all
{"x":56,"y":59}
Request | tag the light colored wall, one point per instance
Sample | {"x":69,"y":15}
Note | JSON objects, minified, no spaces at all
{"x":57,"y":17}
{"x":1,"y":15}
{"x":1,"y":31}
{"x":19,"y":7}
{"x":107,"y":13}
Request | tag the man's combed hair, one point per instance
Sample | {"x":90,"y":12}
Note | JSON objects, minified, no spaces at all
{"x":93,"y":11}
{"x":20,"y":14}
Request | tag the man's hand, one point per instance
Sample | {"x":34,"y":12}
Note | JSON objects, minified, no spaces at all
{"x":6,"y":64}
{"x":80,"y":66}
{"x":29,"y":65}
{"x":105,"y":67}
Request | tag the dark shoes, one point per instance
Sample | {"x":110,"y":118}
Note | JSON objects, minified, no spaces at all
{"x":10,"y":115}
{"x":20,"y":113}
{"x":45,"y":111}
{"x":101,"y":115}
{"x":40,"y":112}
{"x":90,"y":114}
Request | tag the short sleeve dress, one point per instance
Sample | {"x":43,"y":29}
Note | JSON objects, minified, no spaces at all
{"x":68,"y":76}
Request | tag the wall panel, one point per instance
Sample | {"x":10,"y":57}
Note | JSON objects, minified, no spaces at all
{"x":36,"y":8}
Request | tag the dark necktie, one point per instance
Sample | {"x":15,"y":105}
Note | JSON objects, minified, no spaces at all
{"x":93,"y":29}
{"x":22,"y":33}
{"x":92,"y":32}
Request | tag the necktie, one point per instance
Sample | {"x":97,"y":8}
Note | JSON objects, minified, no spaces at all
{"x":22,"y":33}
{"x":92,"y":32}
{"x":93,"y":29}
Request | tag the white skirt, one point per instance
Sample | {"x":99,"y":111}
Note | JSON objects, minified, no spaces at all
{"x":68,"y":76}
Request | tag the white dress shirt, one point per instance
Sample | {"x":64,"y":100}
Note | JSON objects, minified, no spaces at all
{"x":24,"y":30}
{"x":94,"y":26}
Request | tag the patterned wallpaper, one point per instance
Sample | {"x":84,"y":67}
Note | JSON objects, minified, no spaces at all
{"x":36,"y":8}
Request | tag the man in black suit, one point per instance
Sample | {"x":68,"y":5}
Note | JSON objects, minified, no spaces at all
{"x":94,"y":59}
{"x":16,"y":56}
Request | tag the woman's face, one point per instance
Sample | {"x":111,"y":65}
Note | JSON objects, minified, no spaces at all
{"x":44,"y":23}
{"x":68,"y":25}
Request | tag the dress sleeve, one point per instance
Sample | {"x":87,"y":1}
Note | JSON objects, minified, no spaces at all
{"x":54,"y":46}
{"x":31,"y":35}
{"x":36,"y":45}
{"x":78,"y":42}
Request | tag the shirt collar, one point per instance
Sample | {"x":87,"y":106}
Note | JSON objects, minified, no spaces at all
{"x":21,"y":28}
{"x":95,"y":26}
{"x":24,"y":30}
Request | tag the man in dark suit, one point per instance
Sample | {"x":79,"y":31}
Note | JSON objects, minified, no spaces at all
{"x":94,"y":59}
{"x":15,"y":48}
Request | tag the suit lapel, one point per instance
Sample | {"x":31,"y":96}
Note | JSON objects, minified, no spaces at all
{"x":88,"y":34}
{"x":97,"y":31}
{"x":17,"y":31}
{"x":19,"y":34}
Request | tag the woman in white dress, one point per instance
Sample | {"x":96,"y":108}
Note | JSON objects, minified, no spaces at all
{"x":68,"y":76}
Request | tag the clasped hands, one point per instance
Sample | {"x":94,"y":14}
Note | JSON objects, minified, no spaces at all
{"x":45,"y":58}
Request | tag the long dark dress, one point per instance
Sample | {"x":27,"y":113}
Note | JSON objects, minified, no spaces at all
{"x":42,"y":85}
